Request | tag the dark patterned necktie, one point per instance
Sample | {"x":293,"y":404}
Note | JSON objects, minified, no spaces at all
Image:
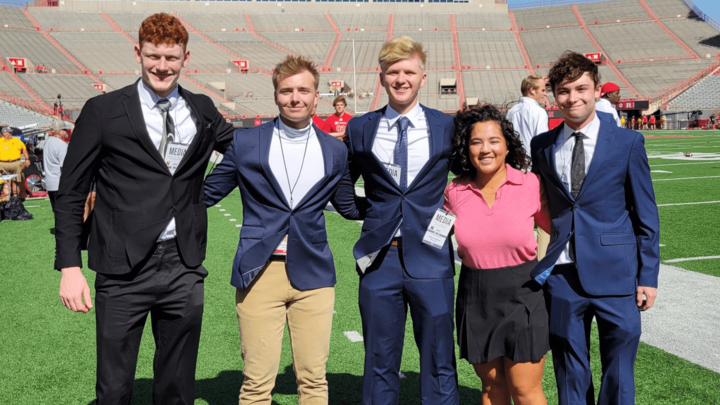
{"x":168,"y":132}
{"x":577,"y":170}
{"x":401,"y":150}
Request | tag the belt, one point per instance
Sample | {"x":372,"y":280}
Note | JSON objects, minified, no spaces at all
{"x":9,"y":161}
{"x":277,"y":258}
{"x":397,"y":242}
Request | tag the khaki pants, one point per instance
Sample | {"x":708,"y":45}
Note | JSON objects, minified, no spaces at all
{"x":543,"y":240}
{"x":262,"y":311}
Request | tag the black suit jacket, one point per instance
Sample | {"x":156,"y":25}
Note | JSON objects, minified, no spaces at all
{"x":136,"y":194}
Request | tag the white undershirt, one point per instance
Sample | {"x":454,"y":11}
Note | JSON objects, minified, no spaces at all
{"x":418,"y":141}
{"x":564,"y":146}
{"x":293,"y":148}
{"x":185,"y":127}
{"x":529,"y":120}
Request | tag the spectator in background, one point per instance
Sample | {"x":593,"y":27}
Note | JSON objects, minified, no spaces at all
{"x":644,"y":122}
{"x":336,"y":124}
{"x":609,"y":99}
{"x":53,"y":157}
{"x":652,"y":122}
{"x":622,"y":122}
{"x":662,"y":122}
{"x":528,"y":116}
{"x":13,"y":159}
{"x":319,"y":122}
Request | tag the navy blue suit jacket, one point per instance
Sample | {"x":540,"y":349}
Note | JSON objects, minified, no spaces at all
{"x":614,"y":218}
{"x":267,"y":216}
{"x":386,"y":206}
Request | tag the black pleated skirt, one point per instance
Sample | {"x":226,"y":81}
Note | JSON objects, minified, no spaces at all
{"x":501,"y":312}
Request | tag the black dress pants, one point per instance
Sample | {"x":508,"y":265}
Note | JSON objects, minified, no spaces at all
{"x":173,"y":296}
{"x":53,"y":196}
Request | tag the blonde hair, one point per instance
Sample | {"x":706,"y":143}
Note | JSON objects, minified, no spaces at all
{"x":531,"y":83}
{"x":291,"y":66}
{"x":399,"y":49}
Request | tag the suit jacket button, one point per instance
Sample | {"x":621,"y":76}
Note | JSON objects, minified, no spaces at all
{"x":577,"y":207}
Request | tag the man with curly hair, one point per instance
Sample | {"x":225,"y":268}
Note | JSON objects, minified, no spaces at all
{"x":147,"y":147}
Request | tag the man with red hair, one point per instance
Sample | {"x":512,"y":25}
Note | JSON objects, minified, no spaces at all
{"x":147,"y":147}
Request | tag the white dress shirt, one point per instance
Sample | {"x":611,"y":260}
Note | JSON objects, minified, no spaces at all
{"x":564,"y":146}
{"x":418,"y":141}
{"x":185,"y":127}
{"x":604,"y":105}
{"x":529,"y":119}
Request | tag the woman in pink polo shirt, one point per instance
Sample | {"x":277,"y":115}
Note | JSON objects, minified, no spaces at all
{"x":502,"y":322}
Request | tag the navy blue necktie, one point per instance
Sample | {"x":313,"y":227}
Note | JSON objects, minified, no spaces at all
{"x":401,"y":150}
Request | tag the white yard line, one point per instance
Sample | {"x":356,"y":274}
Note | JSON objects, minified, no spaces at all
{"x":688,"y":259}
{"x":690,"y":203}
{"x":683,"y":164}
{"x":689,"y":178}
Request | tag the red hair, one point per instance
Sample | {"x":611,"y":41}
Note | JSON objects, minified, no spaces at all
{"x":163,"y":29}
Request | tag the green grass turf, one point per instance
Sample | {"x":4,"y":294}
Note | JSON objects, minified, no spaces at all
{"x":49,"y":352}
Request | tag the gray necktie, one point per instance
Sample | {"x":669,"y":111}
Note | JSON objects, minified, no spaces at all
{"x":401,"y":151}
{"x":168,"y":132}
{"x":577,"y":170}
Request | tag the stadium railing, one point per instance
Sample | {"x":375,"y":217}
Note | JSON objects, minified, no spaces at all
{"x":702,"y":15}
{"x":665,"y":95}
{"x":30,"y":105}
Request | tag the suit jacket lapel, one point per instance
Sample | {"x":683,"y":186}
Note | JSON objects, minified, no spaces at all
{"x":328,"y":160}
{"x":602,"y":146}
{"x":137,"y":121}
{"x":370,"y":129}
{"x":436,"y":137}
{"x":199,"y":126}
{"x":550,"y":158}
{"x":266,"y":135}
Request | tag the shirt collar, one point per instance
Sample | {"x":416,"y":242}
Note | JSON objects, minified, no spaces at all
{"x":150,"y":99}
{"x":528,"y":100}
{"x":513,"y":176}
{"x":413,"y":115}
{"x":590,"y":130}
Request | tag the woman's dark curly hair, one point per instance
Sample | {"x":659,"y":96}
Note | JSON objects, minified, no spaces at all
{"x":465,"y":120}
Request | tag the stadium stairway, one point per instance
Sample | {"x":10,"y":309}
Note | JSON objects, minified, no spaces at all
{"x":599,"y":48}
{"x":262,"y":38}
{"x":456,"y":57}
{"x":45,"y":107}
{"x":336,"y":43}
{"x":667,"y":30}
{"x":206,"y":38}
{"x":60,"y":47}
{"x":521,"y":45}
{"x":378,"y":87}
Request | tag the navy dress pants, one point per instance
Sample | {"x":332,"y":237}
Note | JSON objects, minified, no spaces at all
{"x":386,"y":292}
{"x":571,"y":312}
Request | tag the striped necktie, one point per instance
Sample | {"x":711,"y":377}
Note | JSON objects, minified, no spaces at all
{"x":401,"y":150}
{"x":168,"y":132}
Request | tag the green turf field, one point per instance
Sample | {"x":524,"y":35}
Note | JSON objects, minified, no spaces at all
{"x":48,"y":352}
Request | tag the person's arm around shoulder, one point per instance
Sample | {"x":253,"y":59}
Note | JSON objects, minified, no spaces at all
{"x":346,"y":201}
{"x":224,"y":132}
{"x":646,"y":223}
{"x":223,"y":179}
{"x":542,"y":215}
{"x":78,"y":169}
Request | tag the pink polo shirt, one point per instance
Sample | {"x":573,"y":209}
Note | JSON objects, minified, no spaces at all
{"x":502,"y":236}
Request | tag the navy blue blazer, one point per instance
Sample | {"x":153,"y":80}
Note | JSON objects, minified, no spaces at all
{"x":386,"y":206}
{"x":614,"y":218}
{"x":267,"y":216}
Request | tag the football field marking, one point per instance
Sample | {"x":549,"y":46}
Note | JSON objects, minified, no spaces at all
{"x":353,"y":336}
{"x":683,"y":164}
{"x":689,"y":178}
{"x":690,"y":203}
{"x":688,"y":259}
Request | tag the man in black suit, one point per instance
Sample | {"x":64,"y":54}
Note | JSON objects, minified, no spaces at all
{"x":147,"y":145}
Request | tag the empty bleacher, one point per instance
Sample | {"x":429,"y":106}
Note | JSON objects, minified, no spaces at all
{"x":252,"y":92}
{"x":205,"y":56}
{"x":32,"y":45}
{"x":75,"y":89}
{"x":704,"y":95}
{"x":668,"y":8}
{"x":478,"y":21}
{"x":421,"y":21}
{"x":623,"y":10}
{"x":651,"y":77}
{"x":14,"y":17}
{"x":258,"y":53}
{"x":117,"y":82}
{"x":214,"y":21}
{"x":692,"y":32}
{"x":17,"y":116}
{"x":607,"y":75}
{"x":361,"y":21}
{"x":313,"y":45}
{"x":489,"y":48}
{"x":99,"y":51}
{"x":365,"y":83}
{"x":437,"y":44}
{"x":546,"y":16}
{"x":545,"y":46}
{"x":290,"y":22}
{"x":10,"y":87}
{"x":495,"y":86}
{"x":70,"y":21}
{"x":636,"y":40}
{"x":128,"y":22}
{"x":367,"y":49}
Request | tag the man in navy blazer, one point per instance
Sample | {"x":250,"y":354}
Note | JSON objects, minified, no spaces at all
{"x":287,"y":171}
{"x":402,"y":151}
{"x":603,"y":259}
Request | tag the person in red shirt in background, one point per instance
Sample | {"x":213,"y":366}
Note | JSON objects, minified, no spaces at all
{"x":644,"y":122}
{"x":336,"y":124}
{"x":319,"y":122}
{"x":652,"y":122}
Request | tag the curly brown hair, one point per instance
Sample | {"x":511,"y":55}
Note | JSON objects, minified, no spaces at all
{"x":465,"y":120}
{"x":571,"y":66}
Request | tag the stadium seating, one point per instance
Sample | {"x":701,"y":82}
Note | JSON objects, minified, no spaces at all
{"x":313,"y":45}
{"x":668,"y":8}
{"x":14,"y":17}
{"x":478,"y":21}
{"x":607,"y":75}
{"x":421,"y":21}
{"x":258,"y":53}
{"x":70,"y":21}
{"x":32,"y":45}
{"x":489,"y":48}
{"x":636,"y":41}
{"x":544,"y":46}
{"x":204,"y":56}
{"x":99,"y":51}
{"x":494,"y":86}
{"x":367,"y":48}
{"x":546,"y":16}
{"x":692,"y":32}
{"x":9,"y":87}
{"x":436,"y":43}
{"x":704,"y":95}
{"x":628,"y":10}
{"x":365,"y":84}
{"x":277,"y":22}
{"x":651,"y":77}
{"x":17,"y":116}
{"x":213,"y":21}
{"x":128,"y":22}
{"x":364,"y":21}
{"x":75,"y":89}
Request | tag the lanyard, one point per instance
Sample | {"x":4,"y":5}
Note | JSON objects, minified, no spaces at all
{"x":287,"y":176}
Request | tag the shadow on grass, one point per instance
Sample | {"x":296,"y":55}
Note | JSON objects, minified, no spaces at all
{"x":345,"y":389}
